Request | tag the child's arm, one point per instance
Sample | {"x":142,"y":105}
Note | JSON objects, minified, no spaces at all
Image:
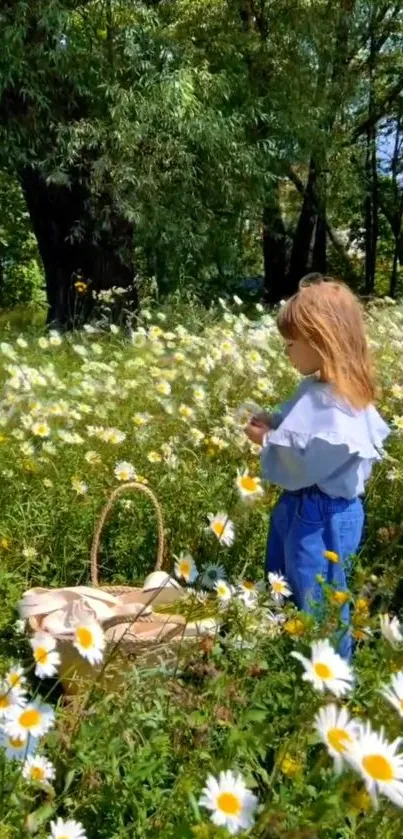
{"x":293,"y":467}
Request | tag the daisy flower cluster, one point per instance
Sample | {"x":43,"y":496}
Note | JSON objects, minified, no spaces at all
{"x":25,"y":722}
{"x":353,"y":743}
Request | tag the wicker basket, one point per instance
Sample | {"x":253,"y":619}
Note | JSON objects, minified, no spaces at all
{"x":133,"y":486}
{"x":152,"y":639}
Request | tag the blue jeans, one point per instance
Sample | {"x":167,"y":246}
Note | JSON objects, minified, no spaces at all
{"x":303,"y":526}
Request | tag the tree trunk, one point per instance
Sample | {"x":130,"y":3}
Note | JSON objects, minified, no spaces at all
{"x":74,"y":248}
{"x":274,"y":252}
{"x":371,"y":173}
{"x":301,"y":249}
{"x":393,"y":277}
{"x":369,"y":267}
{"x":319,"y":249}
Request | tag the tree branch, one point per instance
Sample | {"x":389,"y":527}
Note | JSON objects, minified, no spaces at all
{"x":379,"y":112}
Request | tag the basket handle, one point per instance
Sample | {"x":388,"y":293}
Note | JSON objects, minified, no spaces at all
{"x":133,"y":485}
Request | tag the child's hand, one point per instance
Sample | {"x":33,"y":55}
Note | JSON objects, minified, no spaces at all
{"x":256,"y":431}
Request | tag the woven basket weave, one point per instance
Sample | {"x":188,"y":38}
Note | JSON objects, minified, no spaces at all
{"x":151,"y":639}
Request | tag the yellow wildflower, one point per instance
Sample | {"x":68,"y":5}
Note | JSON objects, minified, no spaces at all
{"x":361,"y":801}
{"x":80,"y":287}
{"x":294,"y":627}
{"x":332,"y":556}
{"x":290,"y":766}
{"x":362,"y":605}
{"x":340,"y":597}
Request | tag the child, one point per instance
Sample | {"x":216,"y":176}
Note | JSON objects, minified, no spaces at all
{"x":321,"y":444}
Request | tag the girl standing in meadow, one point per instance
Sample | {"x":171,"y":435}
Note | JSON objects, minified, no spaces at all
{"x":320,"y":446}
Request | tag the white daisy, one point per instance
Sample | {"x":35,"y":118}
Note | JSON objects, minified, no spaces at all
{"x":93,"y":458}
{"x":224,"y":591}
{"x":69,"y":829}
{"x":249,"y":487}
{"x":211,"y":574}
{"x":89,"y":640}
{"x":248,"y":593}
{"x":185,"y":568}
{"x":80,"y":487}
{"x":19,"y":626}
{"x":377,"y":761}
{"x":40,"y":429}
{"x":394,"y":692}
{"x":337,"y":731}
{"x":16,"y":680}
{"x":17,"y":748}
{"x":391,"y":630}
{"x":229,"y":801}
{"x":113,"y":436}
{"x":33,"y":719}
{"x":163,"y":388}
{"x":10,"y":698}
{"x":326,"y":669}
{"x":279,"y":587}
{"x":45,"y":654}
{"x":39,"y":770}
{"x":223,"y":528}
{"x":185,"y":412}
{"x":125,"y":471}
{"x":54,"y":338}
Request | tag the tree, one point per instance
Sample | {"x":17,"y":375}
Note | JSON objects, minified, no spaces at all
{"x":47,"y":88}
{"x":148,"y":137}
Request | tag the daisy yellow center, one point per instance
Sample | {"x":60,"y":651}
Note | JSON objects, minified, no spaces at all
{"x":248,"y":484}
{"x":16,"y":742}
{"x":338,"y":739}
{"x":378,"y":767}
{"x":4,"y":701}
{"x":30,"y":718}
{"x":40,"y":655}
{"x":322,"y":670}
{"x":229,"y":804}
{"x":218,"y":528}
{"x":249,"y":586}
{"x":37,"y":773}
{"x":222,"y":590}
{"x":14,"y":680}
{"x":84,"y":637}
{"x":278,"y":587}
{"x":185,"y":567}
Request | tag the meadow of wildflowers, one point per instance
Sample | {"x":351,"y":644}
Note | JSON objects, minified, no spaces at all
{"x":260,"y":729}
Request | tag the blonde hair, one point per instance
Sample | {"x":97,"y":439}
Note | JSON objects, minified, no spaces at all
{"x":330,"y":318}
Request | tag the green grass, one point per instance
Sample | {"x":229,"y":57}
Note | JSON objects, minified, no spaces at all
{"x":133,"y":764}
